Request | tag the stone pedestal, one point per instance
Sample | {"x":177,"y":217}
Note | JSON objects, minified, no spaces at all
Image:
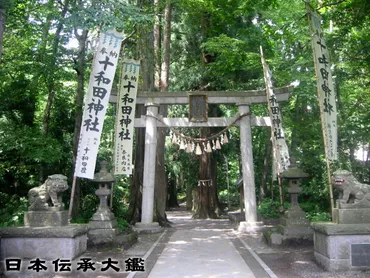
{"x":49,"y":243}
{"x":46,"y":234}
{"x":235,"y":217}
{"x":103,"y":223}
{"x":293,"y":229}
{"x":148,"y":228}
{"x":351,"y":216}
{"x":341,"y":247}
{"x":250,"y":227}
{"x":45,"y":218}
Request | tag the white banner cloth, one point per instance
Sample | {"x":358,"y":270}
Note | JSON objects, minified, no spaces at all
{"x":96,"y":102}
{"x":124,"y":130}
{"x":325,"y":87}
{"x":281,"y":152}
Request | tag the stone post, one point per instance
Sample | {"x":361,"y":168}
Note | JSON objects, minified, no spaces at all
{"x":147,"y":205}
{"x":249,"y":187}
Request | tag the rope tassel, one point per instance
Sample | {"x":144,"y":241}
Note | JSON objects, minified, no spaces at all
{"x":182,"y":145}
{"x":198,"y":151}
{"x":174,"y":139}
{"x":226,"y":140}
{"x":218,"y":146}
{"x":189,"y":148}
{"x":208,"y":149}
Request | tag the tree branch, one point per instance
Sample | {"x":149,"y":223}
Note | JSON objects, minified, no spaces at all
{"x":331,"y":4}
{"x":129,"y":36}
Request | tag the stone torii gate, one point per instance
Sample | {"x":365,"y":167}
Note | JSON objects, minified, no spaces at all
{"x":243,"y":99}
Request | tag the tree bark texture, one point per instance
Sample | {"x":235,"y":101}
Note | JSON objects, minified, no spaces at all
{"x":189,"y":196}
{"x":157,"y":45}
{"x":50,"y":76}
{"x":134,"y":210}
{"x":52,"y":69}
{"x":172,"y":193}
{"x":80,"y":67}
{"x":161,"y":183}
{"x":205,"y":194}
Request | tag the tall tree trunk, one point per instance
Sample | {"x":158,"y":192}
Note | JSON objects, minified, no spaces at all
{"x":134,"y":210}
{"x":160,"y":177}
{"x":172,"y":193}
{"x":215,"y":202}
{"x":52,"y":70}
{"x":50,"y":78}
{"x":2,"y":29}
{"x":165,"y":68}
{"x":206,"y":203}
{"x":80,"y":67}
{"x":189,"y":196}
{"x":40,"y":60}
{"x":157,"y":45}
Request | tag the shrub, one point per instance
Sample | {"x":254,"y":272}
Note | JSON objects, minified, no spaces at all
{"x":270,"y":209}
{"x":89,"y":205}
{"x":318,"y":216}
{"x":314,"y":212}
{"x":12,"y":210}
{"x":233,"y":197}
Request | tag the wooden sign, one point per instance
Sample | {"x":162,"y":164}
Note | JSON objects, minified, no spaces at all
{"x":198,"y":108}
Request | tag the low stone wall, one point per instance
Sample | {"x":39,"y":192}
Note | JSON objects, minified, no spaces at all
{"x":43,"y":242}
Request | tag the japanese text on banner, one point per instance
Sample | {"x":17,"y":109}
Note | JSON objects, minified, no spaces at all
{"x":325,"y":87}
{"x":125,"y":117}
{"x":96,"y":101}
{"x":281,"y":153}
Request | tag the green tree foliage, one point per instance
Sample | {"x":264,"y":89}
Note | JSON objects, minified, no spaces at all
{"x":38,"y":61}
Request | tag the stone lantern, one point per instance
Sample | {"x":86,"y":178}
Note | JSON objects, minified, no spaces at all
{"x":294,"y":227}
{"x":294,"y":176}
{"x":102,"y":224}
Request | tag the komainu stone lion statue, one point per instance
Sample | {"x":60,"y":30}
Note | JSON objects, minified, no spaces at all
{"x":352,"y":193}
{"x":48,"y":195}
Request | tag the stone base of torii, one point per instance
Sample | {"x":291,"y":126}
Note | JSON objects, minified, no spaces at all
{"x":244,"y":99}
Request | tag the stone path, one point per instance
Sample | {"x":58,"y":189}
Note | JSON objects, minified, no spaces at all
{"x":200,"y":252}
{"x":204,"y":248}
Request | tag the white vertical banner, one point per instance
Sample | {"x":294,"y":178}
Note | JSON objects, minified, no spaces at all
{"x":96,"y":102}
{"x":281,"y":152}
{"x":324,"y":86}
{"x":126,"y":104}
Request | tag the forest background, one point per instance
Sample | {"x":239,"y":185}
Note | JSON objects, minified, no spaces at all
{"x":46,"y":50}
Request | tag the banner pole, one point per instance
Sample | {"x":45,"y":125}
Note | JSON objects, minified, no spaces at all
{"x":72,"y":198}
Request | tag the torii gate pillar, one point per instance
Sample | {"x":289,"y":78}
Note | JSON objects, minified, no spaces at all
{"x":249,"y":187}
{"x":147,"y":204}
